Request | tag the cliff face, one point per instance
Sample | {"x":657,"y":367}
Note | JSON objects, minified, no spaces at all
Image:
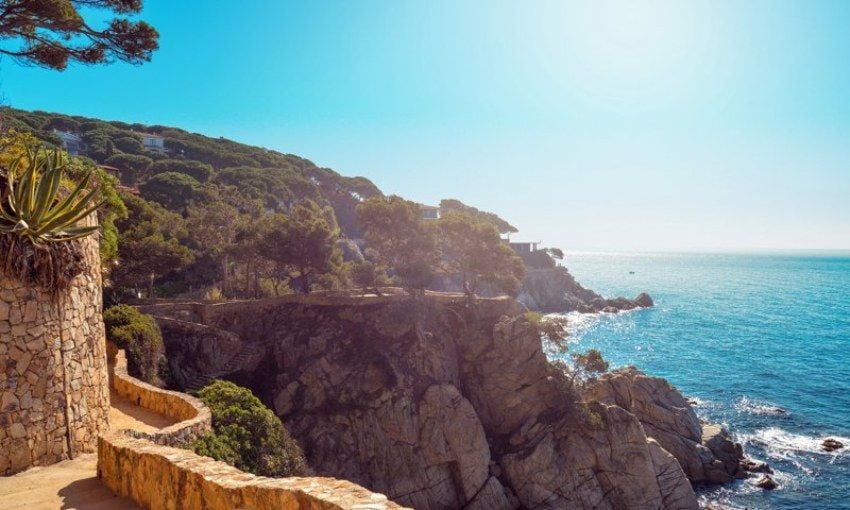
{"x":555,"y":290}
{"x":438,"y":405}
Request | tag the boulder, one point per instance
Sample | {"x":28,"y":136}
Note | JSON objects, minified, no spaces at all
{"x":830,"y":445}
{"x":676,"y":491}
{"x":643,"y":300}
{"x":767,"y":483}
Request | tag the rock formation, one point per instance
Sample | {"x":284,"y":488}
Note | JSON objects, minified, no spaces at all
{"x":555,"y":290}
{"x":705,"y":451}
{"x":441,"y":405}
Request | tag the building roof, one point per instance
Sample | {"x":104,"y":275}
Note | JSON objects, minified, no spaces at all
{"x":148,"y":135}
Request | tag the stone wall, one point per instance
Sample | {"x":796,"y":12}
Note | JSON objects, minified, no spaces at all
{"x":54,"y":399}
{"x":137,"y":465}
{"x":192,"y":416}
{"x":161,"y":477}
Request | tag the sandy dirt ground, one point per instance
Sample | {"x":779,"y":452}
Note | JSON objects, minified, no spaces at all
{"x":73,"y":484}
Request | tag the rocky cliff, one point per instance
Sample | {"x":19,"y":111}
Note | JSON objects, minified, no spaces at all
{"x":443,"y":405}
{"x":555,"y":290}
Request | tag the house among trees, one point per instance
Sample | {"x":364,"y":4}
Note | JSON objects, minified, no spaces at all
{"x":524,"y":247}
{"x":71,"y":142}
{"x":153,"y":142}
{"x":429,"y":212}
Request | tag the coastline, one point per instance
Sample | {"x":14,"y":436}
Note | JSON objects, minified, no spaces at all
{"x":761,"y":355}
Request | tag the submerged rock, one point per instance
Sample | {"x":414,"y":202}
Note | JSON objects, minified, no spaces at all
{"x":754,"y":466}
{"x":830,"y":445}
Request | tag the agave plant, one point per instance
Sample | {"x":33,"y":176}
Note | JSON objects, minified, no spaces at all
{"x":34,"y":207}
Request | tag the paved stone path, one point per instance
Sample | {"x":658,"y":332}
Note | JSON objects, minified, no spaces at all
{"x":73,"y":484}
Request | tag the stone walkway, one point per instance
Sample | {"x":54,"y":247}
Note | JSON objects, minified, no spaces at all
{"x":73,"y":484}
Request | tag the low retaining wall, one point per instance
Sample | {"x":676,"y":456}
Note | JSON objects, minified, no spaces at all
{"x":160,"y":477}
{"x":147,"y":468}
{"x":192,"y":416}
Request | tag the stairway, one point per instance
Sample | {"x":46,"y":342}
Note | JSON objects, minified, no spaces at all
{"x":248,"y":357}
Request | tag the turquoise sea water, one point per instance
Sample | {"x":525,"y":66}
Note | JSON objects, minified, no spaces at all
{"x":760,"y":340}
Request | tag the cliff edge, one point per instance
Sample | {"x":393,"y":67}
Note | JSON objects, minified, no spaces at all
{"x":442,"y":404}
{"x":555,"y":290}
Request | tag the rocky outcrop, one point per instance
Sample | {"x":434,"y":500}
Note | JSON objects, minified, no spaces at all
{"x":705,"y":451}
{"x":555,"y":290}
{"x":441,"y":405}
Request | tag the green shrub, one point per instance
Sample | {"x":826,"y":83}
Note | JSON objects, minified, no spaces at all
{"x":247,"y":434}
{"x":140,"y":337}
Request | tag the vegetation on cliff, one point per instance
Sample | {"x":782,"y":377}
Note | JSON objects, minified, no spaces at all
{"x":141,"y":339}
{"x":247,"y":434}
{"x":211,"y":218}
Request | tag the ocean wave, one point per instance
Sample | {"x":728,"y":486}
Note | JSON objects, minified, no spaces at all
{"x":752,"y":406}
{"x":781,"y":444}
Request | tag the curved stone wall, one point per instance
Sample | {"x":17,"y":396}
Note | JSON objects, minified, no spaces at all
{"x":140,"y":466}
{"x":54,"y":399}
{"x":192,"y":416}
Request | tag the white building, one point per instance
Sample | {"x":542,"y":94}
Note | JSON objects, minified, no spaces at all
{"x":71,"y":142}
{"x":429,"y":212}
{"x":152,"y":142}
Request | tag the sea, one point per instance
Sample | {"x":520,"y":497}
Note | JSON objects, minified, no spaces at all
{"x":761,"y":342}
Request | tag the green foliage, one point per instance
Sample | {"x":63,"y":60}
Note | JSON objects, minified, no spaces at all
{"x":472,"y":249}
{"x":399,"y":239}
{"x":149,"y":245}
{"x":141,"y":339}
{"x":247,"y":434}
{"x":550,"y":327}
{"x":130,"y":144}
{"x":589,"y":364}
{"x":133,"y":167}
{"x":34,"y":208}
{"x":451,"y":205}
{"x":369,"y":276}
{"x":301,"y":245}
{"x":201,"y":172}
{"x":52,"y":33}
{"x":171,"y":190}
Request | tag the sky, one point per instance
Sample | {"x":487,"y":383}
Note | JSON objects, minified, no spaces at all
{"x":597,"y":125}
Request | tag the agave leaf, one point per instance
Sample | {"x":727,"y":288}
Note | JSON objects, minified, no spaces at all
{"x":69,"y":200}
{"x":47,"y":189}
{"x":73,"y":233}
{"x":75,"y":214}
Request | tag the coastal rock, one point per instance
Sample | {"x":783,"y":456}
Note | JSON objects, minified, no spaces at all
{"x":830,"y":445}
{"x":705,"y":452}
{"x":555,"y":290}
{"x":767,"y":483}
{"x":440,"y":405}
{"x":644,"y":300}
{"x":754,"y":466}
{"x":676,"y":491}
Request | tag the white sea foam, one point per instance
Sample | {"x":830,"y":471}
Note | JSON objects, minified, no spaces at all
{"x":781,"y":444}
{"x":747,"y":405}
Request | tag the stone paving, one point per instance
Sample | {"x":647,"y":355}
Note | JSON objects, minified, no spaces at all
{"x":73,"y":484}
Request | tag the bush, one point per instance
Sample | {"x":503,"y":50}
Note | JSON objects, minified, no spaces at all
{"x":247,"y":434}
{"x":200,"y":171}
{"x":140,"y":337}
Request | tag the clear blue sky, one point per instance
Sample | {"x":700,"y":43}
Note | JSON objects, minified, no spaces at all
{"x":590,"y":125}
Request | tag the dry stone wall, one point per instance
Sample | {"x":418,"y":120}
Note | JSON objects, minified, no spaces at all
{"x":54,"y":398}
{"x":147,"y":468}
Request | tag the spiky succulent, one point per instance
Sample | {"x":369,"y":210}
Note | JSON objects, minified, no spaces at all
{"x":35,"y":208}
